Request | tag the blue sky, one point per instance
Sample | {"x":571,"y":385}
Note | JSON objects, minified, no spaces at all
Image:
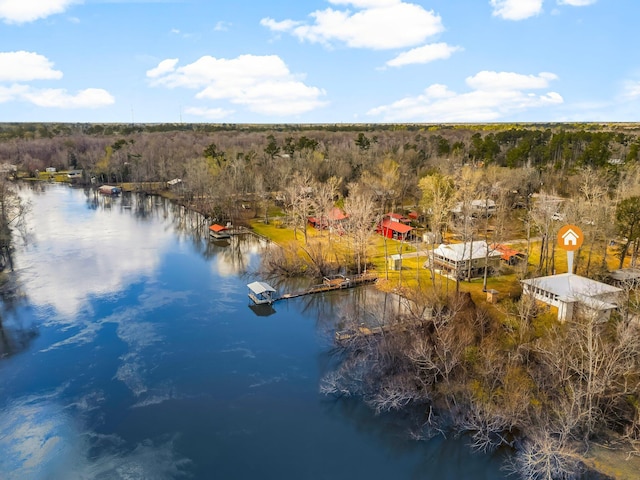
{"x":325,"y":61}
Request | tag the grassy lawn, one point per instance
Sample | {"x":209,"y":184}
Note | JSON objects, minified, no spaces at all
{"x":413,"y":272}
{"x":581,"y":258}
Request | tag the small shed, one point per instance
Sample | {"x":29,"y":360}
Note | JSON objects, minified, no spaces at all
{"x":261,"y":293}
{"x":492,"y":296}
{"x":395,"y":262}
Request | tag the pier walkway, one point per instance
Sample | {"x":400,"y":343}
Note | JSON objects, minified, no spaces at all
{"x":335,"y":282}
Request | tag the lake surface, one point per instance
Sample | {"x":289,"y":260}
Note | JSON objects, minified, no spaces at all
{"x":129,"y":351}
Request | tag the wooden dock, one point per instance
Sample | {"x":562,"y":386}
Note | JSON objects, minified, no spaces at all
{"x":362,"y":330}
{"x":335,"y":282}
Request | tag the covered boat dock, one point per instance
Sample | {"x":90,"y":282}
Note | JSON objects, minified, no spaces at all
{"x":261,"y":293}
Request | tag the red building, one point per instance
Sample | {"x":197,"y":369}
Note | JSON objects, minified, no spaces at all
{"x":333,"y":218}
{"x":394,"y":225}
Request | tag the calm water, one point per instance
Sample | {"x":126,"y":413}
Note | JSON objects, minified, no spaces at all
{"x":130,"y":351}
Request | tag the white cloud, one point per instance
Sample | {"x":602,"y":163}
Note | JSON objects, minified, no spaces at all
{"x":487,"y":101}
{"x":222,"y":26}
{"x":22,"y":11}
{"x":283,"y":26}
{"x":631,"y":89}
{"x":516,"y":9}
{"x":378,"y":24}
{"x":59,"y":98}
{"x":163,"y":68}
{"x":13,"y":92}
{"x":56,"y":97}
{"x":424,"y":54}
{"x":210,"y":113}
{"x":488,"y":81}
{"x":24,"y":66}
{"x":577,"y":3}
{"x":366,"y":3}
{"x":263,"y":84}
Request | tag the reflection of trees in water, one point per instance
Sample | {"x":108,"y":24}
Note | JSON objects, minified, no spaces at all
{"x":186,"y":224}
{"x":406,"y":434}
{"x":360,"y":305}
{"x":15,"y":334}
{"x":237,"y":255}
{"x":13,"y":210}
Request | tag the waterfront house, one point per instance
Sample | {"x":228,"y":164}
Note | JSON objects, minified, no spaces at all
{"x":464,"y":260}
{"x":571,"y":294}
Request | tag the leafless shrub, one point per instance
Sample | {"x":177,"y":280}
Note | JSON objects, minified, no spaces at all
{"x":544,"y":456}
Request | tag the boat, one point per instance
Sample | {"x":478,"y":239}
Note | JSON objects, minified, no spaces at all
{"x":261,"y":293}
{"x":109,"y":190}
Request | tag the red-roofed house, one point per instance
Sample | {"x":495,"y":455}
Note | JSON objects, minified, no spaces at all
{"x":393,"y":226}
{"x":509,"y":255}
{"x":335,"y":216}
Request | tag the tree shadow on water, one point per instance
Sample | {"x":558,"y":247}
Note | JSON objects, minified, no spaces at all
{"x":16,"y":332}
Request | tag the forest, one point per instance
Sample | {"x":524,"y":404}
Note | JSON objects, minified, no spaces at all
{"x":508,"y":375}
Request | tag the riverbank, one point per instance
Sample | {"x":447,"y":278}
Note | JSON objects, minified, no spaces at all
{"x":499,"y":369}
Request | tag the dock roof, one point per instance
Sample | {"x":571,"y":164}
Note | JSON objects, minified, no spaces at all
{"x":260,"y":287}
{"x":217,"y":228}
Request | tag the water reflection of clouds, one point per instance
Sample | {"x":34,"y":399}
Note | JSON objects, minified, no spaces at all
{"x":139,"y":334}
{"x":42,"y":438}
{"x":75,"y":255}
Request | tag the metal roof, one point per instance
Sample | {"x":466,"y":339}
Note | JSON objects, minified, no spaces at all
{"x":260,"y":287}
{"x":464,"y":251}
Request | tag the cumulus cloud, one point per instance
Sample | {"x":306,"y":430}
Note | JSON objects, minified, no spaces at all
{"x":25,"y":66}
{"x":493,"y":95}
{"x":263,"y":84}
{"x":23,"y":11}
{"x":577,"y":3}
{"x":424,"y":54}
{"x":163,"y":68}
{"x":516,"y":9}
{"x":12,"y":92}
{"x":22,"y":66}
{"x":489,"y":81}
{"x":57,"y":97}
{"x":209,"y":113}
{"x":60,"y":98}
{"x":403,"y":25}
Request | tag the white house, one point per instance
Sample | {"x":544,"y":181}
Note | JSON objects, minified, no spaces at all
{"x":464,"y":260}
{"x":477,"y":208}
{"x":571,"y":293}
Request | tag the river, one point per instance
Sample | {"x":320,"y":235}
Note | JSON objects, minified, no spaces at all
{"x":129,"y":351}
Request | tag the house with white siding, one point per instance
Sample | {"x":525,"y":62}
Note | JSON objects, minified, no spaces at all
{"x":464,"y":260}
{"x":572,"y":294}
